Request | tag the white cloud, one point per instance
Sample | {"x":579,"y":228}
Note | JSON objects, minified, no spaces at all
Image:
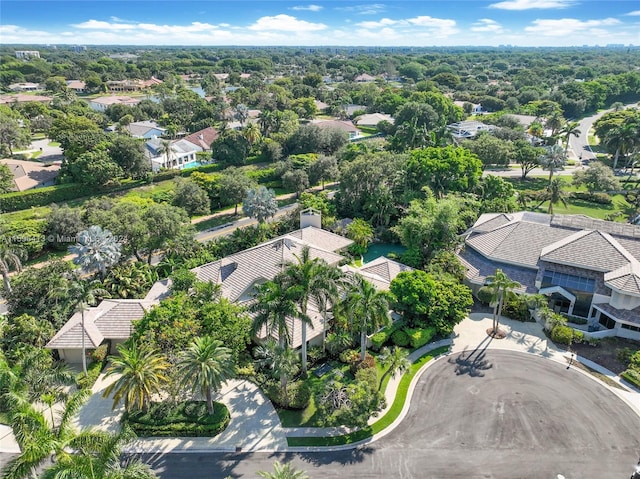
{"x":635,"y":13}
{"x":531,"y":4}
{"x":568,"y":26}
{"x":434,"y":26}
{"x":101,"y":25}
{"x":309,"y":8}
{"x":487,"y":25}
{"x":285,"y":23}
{"x":370,"y":9}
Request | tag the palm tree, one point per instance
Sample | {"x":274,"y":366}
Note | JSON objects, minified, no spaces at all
{"x":252,"y":133}
{"x":308,"y":279}
{"x":570,"y":129}
{"x":142,"y":373}
{"x":241,"y":113}
{"x":9,"y":259}
{"x":205,"y":365}
{"x":554,"y":194}
{"x":266,"y":120}
{"x":283,"y":471}
{"x":97,"y":250}
{"x":283,"y":362}
{"x":97,"y":455}
{"x":165,"y":149}
{"x":82,"y":294}
{"x":501,"y":285}
{"x":274,"y":305}
{"x":395,"y":361}
{"x":555,"y":122}
{"x":37,"y":438}
{"x":554,"y":158}
{"x":623,"y":137}
{"x":368,"y":306}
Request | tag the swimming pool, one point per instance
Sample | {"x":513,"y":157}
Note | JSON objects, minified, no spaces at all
{"x":192,"y":164}
{"x":382,"y":249}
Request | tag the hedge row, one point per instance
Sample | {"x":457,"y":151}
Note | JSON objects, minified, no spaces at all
{"x":403,"y":337}
{"x":164,"y":421}
{"x":632,"y":376}
{"x":598,"y":198}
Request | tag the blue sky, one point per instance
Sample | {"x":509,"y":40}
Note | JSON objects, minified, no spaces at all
{"x":336,"y":22}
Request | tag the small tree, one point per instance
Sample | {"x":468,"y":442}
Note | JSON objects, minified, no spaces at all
{"x":361,"y":233}
{"x":96,"y":250}
{"x":598,"y":177}
{"x":501,"y":286}
{"x":395,"y":361}
{"x":191,"y":197}
{"x":6,"y":179}
{"x":260,"y":203}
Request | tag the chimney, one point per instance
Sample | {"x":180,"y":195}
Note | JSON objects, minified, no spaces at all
{"x":310,"y":217}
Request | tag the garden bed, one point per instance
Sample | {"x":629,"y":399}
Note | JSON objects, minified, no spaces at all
{"x":185,"y":419}
{"x":606,"y":353}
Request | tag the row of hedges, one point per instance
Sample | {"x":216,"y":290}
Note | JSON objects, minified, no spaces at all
{"x":185,"y":419}
{"x":98,"y":363}
{"x":598,"y":198}
{"x":632,"y":376}
{"x":402,"y":337}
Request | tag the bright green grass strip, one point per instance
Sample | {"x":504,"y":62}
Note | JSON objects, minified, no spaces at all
{"x":391,"y":415}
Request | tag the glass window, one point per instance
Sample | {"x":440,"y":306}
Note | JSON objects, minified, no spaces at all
{"x":569,"y":281}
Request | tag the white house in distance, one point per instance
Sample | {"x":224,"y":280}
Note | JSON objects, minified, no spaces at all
{"x":104,"y":102}
{"x":181,"y":155}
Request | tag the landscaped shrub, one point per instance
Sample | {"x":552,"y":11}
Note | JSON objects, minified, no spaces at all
{"x":369,"y":362}
{"x":517,"y":307}
{"x":420,"y":337}
{"x":484,"y":295}
{"x":598,"y":198}
{"x":297,"y":397}
{"x":100,"y":353}
{"x":315,"y":354}
{"x":185,"y":419}
{"x":247,"y":371}
{"x":575,"y":319}
{"x":349,"y":356}
{"x":93,"y":371}
{"x":633,"y":376}
{"x":380,"y":338}
{"x":400,"y":338}
{"x":634,"y":361}
{"x":565,"y":335}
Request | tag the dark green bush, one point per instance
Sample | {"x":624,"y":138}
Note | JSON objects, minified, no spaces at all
{"x":93,"y":371}
{"x":297,"y":397}
{"x":380,"y":339}
{"x":185,"y":419}
{"x":420,"y":337}
{"x":517,"y":307}
{"x":598,"y":198}
{"x":562,"y":334}
{"x":634,"y":361}
{"x":349,"y":356}
{"x":484,"y":295}
{"x":400,"y":338}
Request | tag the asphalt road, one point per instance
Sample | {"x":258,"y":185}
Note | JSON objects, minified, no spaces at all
{"x":495,"y":414}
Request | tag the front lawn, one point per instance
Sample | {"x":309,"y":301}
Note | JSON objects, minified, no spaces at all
{"x":185,"y":419}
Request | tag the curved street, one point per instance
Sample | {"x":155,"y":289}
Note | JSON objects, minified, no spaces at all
{"x":481,"y":413}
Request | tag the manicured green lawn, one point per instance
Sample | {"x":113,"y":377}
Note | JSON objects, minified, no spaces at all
{"x":53,"y":143}
{"x":386,"y":420}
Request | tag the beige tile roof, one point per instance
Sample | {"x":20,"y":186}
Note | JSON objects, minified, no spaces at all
{"x":625,"y":279}
{"x":586,"y":249}
{"x":385,"y":268}
{"x":322,"y":239}
{"x":239,"y":272}
{"x":31,"y":174}
{"x":111,"y":319}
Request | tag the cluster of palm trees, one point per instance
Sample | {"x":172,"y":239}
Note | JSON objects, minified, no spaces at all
{"x":284,"y":302}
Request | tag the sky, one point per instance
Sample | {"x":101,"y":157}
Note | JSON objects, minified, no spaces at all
{"x":331,"y":23}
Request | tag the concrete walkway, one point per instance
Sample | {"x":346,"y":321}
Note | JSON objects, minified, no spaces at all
{"x":255,"y":425}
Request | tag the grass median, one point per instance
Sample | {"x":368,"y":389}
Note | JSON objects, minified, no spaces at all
{"x":381,"y":424}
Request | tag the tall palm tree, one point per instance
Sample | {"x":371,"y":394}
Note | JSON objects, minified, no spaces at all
{"x":283,"y":471}
{"x":38,"y":438}
{"x":251,"y":133}
{"x":501,"y":286}
{"x":97,"y":250}
{"x":274,"y":305}
{"x":142,"y":373}
{"x":205,"y":365}
{"x":554,"y":159}
{"x":368,"y":307}
{"x":554,"y":194}
{"x":395,"y":361}
{"x":623,"y":137}
{"x":165,"y":149}
{"x":568,"y":130}
{"x":9,"y":259}
{"x":283,"y":362}
{"x":309,"y":279}
{"x":97,"y":455}
{"x":82,"y":294}
{"x":555,"y":122}
{"x":266,"y":120}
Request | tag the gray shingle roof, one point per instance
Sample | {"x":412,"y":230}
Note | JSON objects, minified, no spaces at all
{"x":592,"y":250}
{"x":518,"y":242}
{"x":628,"y":315}
{"x":70,"y":335}
{"x":626,"y":278}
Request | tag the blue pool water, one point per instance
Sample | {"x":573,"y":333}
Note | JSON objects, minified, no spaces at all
{"x":382,"y":249}
{"x":192,"y":164}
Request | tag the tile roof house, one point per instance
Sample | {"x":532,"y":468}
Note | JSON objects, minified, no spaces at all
{"x":24,"y":98}
{"x":32,"y":174}
{"x":203,"y":138}
{"x":588,"y":268}
{"x":104,"y":102}
{"x":145,"y":129}
{"x":343,"y":125}
{"x":372,"y":119}
{"x":77,"y":85}
{"x":182,"y":154}
{"x":110,"y":320}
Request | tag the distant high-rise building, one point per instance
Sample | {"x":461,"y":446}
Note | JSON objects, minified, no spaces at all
{"x":78,"y":48}
{"x":27,"y":54}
